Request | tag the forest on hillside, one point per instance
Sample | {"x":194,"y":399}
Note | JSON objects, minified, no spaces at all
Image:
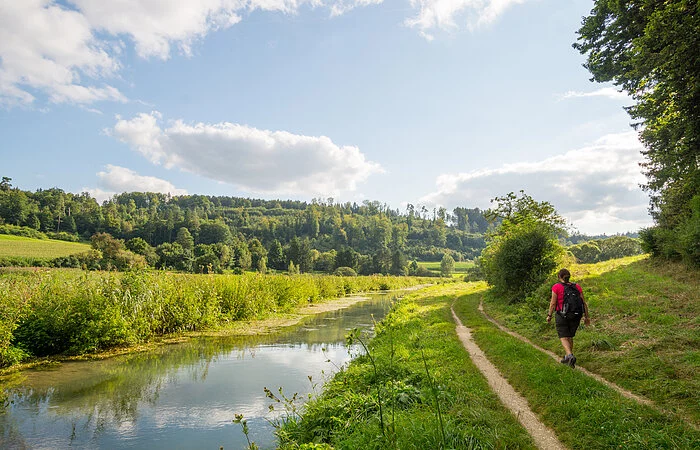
{"x":198,"y":233}
{"x":230,"y":232}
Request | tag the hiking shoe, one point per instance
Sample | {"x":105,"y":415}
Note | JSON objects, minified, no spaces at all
{"x":565,"y":359}
{"x":572,"y":362}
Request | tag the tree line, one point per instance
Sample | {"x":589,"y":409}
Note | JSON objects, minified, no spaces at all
{"x":212,"y":233}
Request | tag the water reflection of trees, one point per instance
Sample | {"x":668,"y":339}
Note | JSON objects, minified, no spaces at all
{"x":95,"y":395}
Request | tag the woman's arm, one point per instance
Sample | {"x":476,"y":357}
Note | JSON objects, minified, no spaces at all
{"x":586,"y":317}
{"x":553,"y":305}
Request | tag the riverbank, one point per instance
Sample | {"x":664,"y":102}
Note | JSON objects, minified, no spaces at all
{"x":273,"y":323}
{"x":417,"y":387}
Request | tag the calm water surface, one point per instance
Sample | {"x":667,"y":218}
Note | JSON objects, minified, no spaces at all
{"x":181,"y":396}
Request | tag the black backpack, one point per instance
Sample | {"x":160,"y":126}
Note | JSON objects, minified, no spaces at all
{"x":572,"y":306}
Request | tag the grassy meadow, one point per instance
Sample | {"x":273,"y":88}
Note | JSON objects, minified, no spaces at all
{"x":46,"y":312}
{"x":461,"y":267}
{"x":645,"y":330}
{"x":644,"y":337}
{"x":387,"y":398}
{"x":43,"y":249}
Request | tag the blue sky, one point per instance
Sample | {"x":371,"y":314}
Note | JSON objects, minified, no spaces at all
{"x":429,"y":102}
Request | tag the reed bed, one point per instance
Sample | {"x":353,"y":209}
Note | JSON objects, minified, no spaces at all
{"x":47,"y":312}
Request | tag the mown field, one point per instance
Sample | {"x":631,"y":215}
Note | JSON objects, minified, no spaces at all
{"x":460,"y":266}
{"x":645,"y":330}
{"x":66,"y":311}
{"x":644,"y":334}
{"x":22,"y":247}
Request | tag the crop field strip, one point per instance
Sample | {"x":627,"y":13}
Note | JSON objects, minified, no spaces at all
{"x":22,"y":247}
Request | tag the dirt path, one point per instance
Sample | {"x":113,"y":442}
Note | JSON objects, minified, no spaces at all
{"x":543,"y":436}
{"x":624,"y":392}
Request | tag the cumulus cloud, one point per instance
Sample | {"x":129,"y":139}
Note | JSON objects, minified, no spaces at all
{"x":607,"y":92}
{"x":47,"y":48}
{"x":256,"y":160}
{"x":67,"y":50}
{"x":443,"y":14}
{"x":118,"y":179}
{"x":596,"y":187}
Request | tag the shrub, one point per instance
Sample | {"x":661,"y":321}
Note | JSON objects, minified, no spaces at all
{"x":521,"y":259}
{"x":63,"y":236}
{"x":345,"y":272}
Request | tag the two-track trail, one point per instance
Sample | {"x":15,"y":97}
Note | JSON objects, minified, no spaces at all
{"x":544,"y":437}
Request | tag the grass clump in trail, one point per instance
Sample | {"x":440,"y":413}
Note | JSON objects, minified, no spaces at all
{"x":584,"y":413}
{"x":48,"y":312}
{"x":415,"y":388}
{"x":645,"y":331}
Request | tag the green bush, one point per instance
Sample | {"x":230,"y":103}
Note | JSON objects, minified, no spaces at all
{"x":521,"y":259}
{"x":63,"y":236}
{"x":21,"y":231}
{"x":345,"y":272}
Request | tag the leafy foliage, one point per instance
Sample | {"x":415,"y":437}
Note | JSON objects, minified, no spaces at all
{"x":523,"y":250}
{"x":649,"y":49}
{"x":58,"y":311}
{"x":260,"y":234}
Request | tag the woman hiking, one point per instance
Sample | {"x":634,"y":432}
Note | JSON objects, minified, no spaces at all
{"x":567,"y":324}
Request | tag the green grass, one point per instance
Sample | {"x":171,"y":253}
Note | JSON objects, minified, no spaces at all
{"x":460,"y":266}
{"x":645,"y":331}
{"x":347,"y":416}
{"x":584,"y":413}
{"x":22,"y":247}
{"x":46,"y":312}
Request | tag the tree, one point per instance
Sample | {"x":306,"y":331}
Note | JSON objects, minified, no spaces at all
{"x":275,"y":256}
{"x":258,"y":255}
{"x":447,"y":265}
{"x":213,"y":232}
{"x":141,"y":247}
{"x":523,"y":250}
{"x":185,"y":239}
{"x":650,"y":49}
{"x":241,"y":255}
{"x":5,"y":184}
{"x":585,"y":252}
{"x":14,"y":206}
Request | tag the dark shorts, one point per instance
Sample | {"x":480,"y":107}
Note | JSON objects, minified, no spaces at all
{"x":566,"y":328}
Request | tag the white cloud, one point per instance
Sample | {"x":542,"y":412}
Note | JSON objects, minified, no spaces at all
{"x":120,"y":179}
{"x":50,"y":49}
{"x":67,"y":50}
{"x":256,"y":160}
{"x":596,"y":187}
{"x":443,"y":14}
{"x":608,"y":92}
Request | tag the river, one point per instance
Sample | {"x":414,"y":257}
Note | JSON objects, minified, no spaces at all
{"x":180,"y":396}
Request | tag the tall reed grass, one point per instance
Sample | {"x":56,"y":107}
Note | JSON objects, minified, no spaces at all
{"x":46,"y":312}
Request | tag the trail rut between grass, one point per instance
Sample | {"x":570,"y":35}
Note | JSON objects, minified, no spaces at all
{"x":544,"y":437}
{"x":621,"y":390}
{"x":624,"y":392}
